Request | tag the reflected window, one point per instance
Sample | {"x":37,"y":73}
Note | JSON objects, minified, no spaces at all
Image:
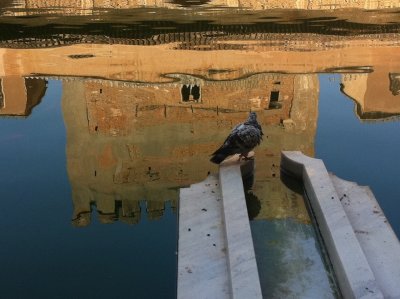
{"x":274,"y":96}
{"x":195,"y":92}
{"x":2,"y":104}
{"x":190,"y":93}
{"x":185,"y":91}
{"x":273,"y":100}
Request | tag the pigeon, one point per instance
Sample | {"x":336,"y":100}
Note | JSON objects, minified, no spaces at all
{"x":243,"y":138}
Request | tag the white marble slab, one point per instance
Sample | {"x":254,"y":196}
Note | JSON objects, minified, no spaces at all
{"x":353,"y":272}
{"x":215,"y":249}
{"x":202,"y":260}
{"x":245,"y":282}
{"x":374,"y":233}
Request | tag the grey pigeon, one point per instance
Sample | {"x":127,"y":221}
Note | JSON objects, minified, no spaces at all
{"x":243,"y":138}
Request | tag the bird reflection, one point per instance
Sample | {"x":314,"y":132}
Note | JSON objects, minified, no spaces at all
{"x":252,"y":202}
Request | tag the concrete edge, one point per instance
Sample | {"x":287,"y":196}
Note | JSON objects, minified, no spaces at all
{"x":352,"y":270}
{"x":245,"y":282}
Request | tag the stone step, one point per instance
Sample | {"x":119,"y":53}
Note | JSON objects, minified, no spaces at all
{"x":362,"y":247}
{"x":374,"y":233}
{"x":202,"y":255}
{"x":216,"y":256}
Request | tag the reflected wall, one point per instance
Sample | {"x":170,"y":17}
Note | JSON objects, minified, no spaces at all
{"x":132,"y":143}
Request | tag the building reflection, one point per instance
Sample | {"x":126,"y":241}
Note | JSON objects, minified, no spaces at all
{"x":143,"y":114}
{"x":18,"y":96}
{"x":376,"y":94}
{"x":126,"y":144}
{"x":129,"y":143}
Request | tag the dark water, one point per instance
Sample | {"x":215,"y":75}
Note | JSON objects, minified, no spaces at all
{"x":108,"y":132}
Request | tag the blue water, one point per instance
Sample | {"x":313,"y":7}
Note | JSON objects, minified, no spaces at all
{"x":42,"y":255}
{"x":366,"y":153}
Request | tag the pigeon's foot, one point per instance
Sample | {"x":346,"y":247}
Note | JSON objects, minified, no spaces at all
{"x":245,"y":157}
{"x":248,"y":158}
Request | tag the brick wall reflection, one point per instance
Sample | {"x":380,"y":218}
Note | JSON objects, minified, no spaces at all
{"x":127,"y":144}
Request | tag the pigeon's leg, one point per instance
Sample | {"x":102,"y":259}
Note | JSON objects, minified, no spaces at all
{"x":248,"y":158}
{"x":244,"y":157}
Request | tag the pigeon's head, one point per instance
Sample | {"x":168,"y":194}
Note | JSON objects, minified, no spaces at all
{"x":252,"y":117}
{"x":253,"y":121}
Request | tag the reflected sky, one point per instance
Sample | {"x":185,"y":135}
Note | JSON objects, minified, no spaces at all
{"x":98,"y":136}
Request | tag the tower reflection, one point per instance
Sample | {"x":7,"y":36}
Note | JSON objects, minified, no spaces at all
{"x":122,"y":149}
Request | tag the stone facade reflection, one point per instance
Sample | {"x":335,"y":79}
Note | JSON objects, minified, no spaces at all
{"x":127,"y":144}
{"x":143,"y":142}
{"x":375,"y":94}
{"x":139,"y":127}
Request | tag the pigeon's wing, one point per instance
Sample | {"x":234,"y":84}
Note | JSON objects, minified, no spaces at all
{"x":260,"y":129}
{"x":249,"y":137}
{"x":255,"y":124}
{"x":231,"y":146}
{"x":241,"y":139}
{"x":230,"y":141}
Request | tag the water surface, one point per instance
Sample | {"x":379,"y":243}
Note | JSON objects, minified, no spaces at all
{"x":105,"y":114}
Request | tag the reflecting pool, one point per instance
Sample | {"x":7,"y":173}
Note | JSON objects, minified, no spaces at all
{"x":106,"y":113}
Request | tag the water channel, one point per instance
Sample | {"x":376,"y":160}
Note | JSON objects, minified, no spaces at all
{"x":106,"y":113}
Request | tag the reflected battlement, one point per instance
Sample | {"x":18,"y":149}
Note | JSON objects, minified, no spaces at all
{"x":89,"y":6}
{"x":48,"y":24}
{"x":206,"y":30}
{"x":107,"y":209}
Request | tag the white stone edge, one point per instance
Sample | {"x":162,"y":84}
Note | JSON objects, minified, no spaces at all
{"x":352,"y":271}
{"x":242,"y":266}
{"x":374,"y":232}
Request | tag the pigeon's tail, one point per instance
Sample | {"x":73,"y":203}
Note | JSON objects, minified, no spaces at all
{"x":218,"y":158}
{"x":222,"y":153}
